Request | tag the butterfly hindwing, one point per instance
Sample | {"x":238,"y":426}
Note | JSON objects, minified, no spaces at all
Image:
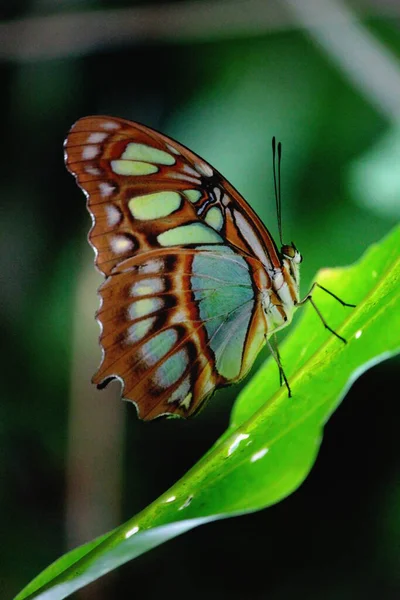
{"x":175,"y":326}
{"x":181,"y":251}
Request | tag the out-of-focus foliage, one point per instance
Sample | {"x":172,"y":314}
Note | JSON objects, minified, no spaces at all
{"x":225,"y":98}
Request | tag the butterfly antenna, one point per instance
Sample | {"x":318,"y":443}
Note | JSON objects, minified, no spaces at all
{"x":277,"y":183}
{"x":279,"y":191}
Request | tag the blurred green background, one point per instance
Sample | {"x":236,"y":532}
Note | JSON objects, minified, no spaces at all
{"x":222,"y":77}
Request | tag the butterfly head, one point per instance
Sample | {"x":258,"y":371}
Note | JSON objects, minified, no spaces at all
{"x":290,"y":252}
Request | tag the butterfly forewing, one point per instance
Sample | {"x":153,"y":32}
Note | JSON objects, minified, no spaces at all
{"x":182,"y":252}
{"x":116,"y":161}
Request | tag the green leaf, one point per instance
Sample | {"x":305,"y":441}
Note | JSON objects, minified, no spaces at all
{"x":272,"y":440}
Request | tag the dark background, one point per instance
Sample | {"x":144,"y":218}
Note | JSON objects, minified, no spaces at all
{"x":222,"y":77}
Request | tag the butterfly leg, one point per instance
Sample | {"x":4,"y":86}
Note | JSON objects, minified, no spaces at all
{"x":309,"y":298}
{"x":274,"y":342}
{"x":277,"y":358}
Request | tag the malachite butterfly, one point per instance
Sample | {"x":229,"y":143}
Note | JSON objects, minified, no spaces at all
{"x":195,"y":284}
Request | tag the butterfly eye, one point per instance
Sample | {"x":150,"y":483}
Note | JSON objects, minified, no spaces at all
{"x":289,"y":251}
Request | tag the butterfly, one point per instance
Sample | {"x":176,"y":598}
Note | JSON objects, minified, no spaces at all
{"x":195,"y":284}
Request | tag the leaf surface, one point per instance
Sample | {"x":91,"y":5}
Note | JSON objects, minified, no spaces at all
{"x":272,"y":441}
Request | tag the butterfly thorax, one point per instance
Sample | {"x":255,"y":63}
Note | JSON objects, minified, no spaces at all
{"x":281,"y":292}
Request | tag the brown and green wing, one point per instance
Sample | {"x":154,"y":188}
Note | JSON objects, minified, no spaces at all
{"x":146,"y":190}
{"x":181,"y":312}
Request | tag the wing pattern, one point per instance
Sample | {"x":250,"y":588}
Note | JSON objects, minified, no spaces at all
{"x":183,"y":255}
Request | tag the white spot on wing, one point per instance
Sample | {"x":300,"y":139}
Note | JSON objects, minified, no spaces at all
{"x":145,"y":287}
{"x":217,"y":193}
{"x":152,"y":266}
{"x":113,"y":215}
{"x":225,"y":200}
{"x":189,"y":170}
{"x":358,"y":334}
{"x":106,"y":189}
{"x":121,"y":244}
{"x":92,"y":170}
{"x":172,"y":149}
{"x":96,"y":137}
{"x":90,"y":152}
{"x":110,"y":125}
{"x":204,"y":169}
{"x":178,"y":175}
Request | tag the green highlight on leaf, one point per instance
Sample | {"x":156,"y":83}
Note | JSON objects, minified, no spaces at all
{"x":272,"y":441}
